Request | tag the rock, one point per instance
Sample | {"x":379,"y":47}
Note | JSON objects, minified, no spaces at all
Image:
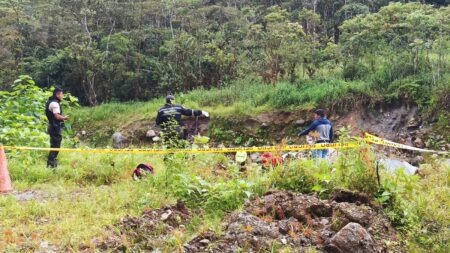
{"x":300,"y":122}
{"x":166,"y":215}
{"x":156,"y":139}
{"x":320,"y":210}
{"x":419,"y":143}
{"x":351,"y":238}
{"x":414,"y":123}
{"x":392,"y":165}
{"x":352,"y":213}
{"x":324,"y":222}
{"x":44,"y":246}
{"x":204,"y":242}
{"x":119,"y":141}
{"x":291,"y":224}
{"x":252,"y":226}
{"x":417,"y":160}
{"x":256,"y":157}
{"x":150,"y":134}
{"x":350,"y":197}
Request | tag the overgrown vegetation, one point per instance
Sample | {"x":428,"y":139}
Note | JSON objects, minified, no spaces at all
{"x":107,"y":51}
{"x":72,"y":205}
{"x":234,"y":59}
{"x":22,"y":114}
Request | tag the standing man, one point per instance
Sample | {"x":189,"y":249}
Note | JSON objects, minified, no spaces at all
{"x":325,"y":132}
{"x":53,"y":111}
{"x":171,"y":112}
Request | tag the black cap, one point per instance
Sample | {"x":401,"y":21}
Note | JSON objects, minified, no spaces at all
{"x":320,"y":112}
{"x":169,"y":98}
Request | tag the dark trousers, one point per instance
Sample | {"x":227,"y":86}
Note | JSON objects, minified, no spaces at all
{"x":55,"y":142}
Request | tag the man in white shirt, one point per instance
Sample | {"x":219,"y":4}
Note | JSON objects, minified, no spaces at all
{"x":53,"y":111}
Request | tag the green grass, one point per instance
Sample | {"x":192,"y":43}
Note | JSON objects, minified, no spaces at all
{"x":89,"y":192}
{"x":244,"y":98}
{"x":76,"y":203}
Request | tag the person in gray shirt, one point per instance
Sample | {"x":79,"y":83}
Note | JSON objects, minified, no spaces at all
{"x":325,"y":130}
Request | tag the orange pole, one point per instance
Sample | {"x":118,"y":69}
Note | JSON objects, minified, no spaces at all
{"x":5,"y":179}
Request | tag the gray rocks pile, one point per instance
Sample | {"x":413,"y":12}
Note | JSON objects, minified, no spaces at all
{"x":288,"y":220}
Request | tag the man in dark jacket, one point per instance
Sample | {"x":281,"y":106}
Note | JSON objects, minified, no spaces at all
{"x":53,"y":111}
{"x":324,"y":129}
{"x":171,"y":112}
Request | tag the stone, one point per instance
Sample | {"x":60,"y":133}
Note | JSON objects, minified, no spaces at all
{"x":392,"y":165}
{"x":291,"y":224}
{"x":351,"y":238}
{"x":204,"y":242}
{"x":300,"y":122}
{"x":256,"y":157}
{"x":414,"y":123}
{"x":417,"y":160}
{"x":320,"y":210}
{"x":419,"y":143}
{"x":156,"y":139}
{"x":166,"y":215}
{"x":340,"y":195}
{"x":359,"y":214}
{"x":150,"y":133}
{"x":119,"y":141}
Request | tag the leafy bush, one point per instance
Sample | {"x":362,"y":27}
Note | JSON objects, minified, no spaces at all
{"x":418,"y":206}
{"x":296,"y":176}
{"x":355,"y":71}
{"x":22,"y":114}
{"x":219,"y":196}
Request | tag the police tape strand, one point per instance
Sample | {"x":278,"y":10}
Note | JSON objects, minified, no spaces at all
{"x":342,"y":145}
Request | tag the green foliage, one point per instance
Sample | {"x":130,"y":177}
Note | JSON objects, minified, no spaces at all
{"x":297,"y":176}
{"x":415,"y":205}
{"x":314,"y":93}
{"x":356,"y":169}
{"x":107,"y":51}
{"x":213,"y":197}
{"x":22,"y":114}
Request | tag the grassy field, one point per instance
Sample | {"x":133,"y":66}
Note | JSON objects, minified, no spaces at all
{"x":239,"y":100}
{"x":74,"y":204}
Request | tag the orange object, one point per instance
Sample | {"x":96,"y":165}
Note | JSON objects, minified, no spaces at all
{"x":269,"y":159}
{"x":5,"y":180}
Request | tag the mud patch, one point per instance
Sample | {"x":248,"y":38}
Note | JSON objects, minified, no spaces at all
{"x":283,"y":219}
{"x":146,"y":232}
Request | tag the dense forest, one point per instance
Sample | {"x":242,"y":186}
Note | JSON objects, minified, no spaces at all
{"x":259,"y":67}
{"x":107,"y":50}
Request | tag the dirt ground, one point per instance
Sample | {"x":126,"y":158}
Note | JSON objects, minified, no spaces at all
{"x":348,"y":222}
{"x":287,"y":220}
{"x":144,"y":233}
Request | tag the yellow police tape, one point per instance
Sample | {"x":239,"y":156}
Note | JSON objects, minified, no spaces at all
{"x":199,"y":150}
{"x":377,"y":140}
{"x":343,"y":145}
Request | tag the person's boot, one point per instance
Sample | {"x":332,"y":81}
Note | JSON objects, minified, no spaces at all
{"x":52,"y":164}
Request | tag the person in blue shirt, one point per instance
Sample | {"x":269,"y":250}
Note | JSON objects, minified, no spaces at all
{"x":324,"y":128}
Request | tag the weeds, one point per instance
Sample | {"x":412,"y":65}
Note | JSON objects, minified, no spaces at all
{"x":75,"y":203}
